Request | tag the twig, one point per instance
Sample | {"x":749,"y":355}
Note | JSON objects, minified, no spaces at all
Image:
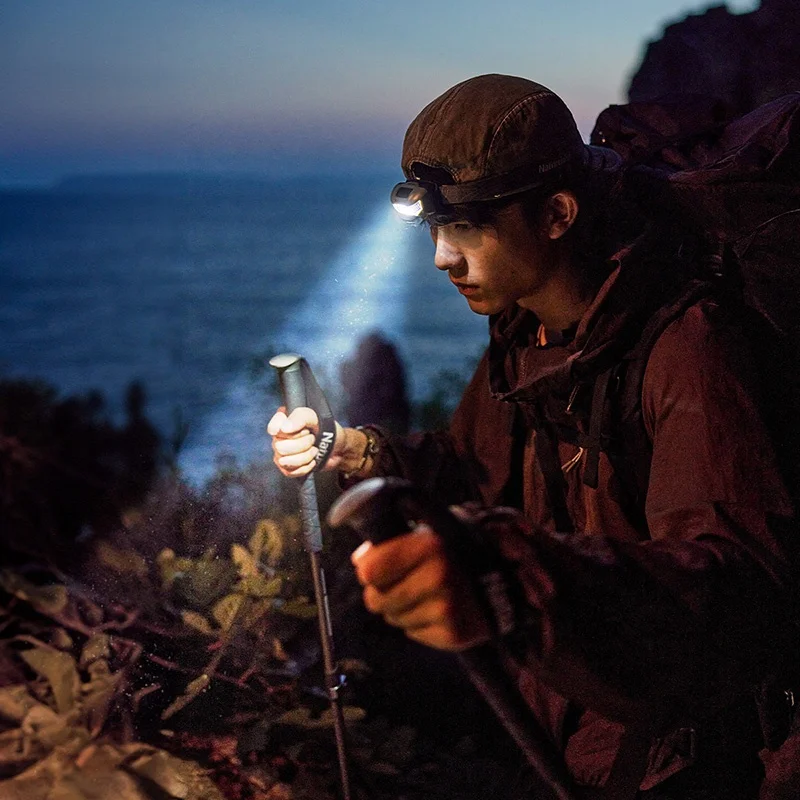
{"x":220,"y":676}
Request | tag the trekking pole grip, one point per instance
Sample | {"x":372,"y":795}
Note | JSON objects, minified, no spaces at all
{"x":293,"y":389}
{"x":380,"y":509}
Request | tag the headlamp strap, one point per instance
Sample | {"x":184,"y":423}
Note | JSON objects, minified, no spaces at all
{"x":528,"y":176}
{"x":316,"y":400}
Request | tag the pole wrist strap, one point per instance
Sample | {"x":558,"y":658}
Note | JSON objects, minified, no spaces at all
{"x":316,"y":400}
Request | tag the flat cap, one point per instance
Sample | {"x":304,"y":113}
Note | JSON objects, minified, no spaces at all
{"x":494,"y":135}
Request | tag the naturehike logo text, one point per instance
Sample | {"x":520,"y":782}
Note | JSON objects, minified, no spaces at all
{"x":324,"y":444}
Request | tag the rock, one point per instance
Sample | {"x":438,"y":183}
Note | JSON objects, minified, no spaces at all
{"x":744,"y":60}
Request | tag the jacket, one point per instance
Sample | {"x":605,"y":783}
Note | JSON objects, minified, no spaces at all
{"x":673,"y":619}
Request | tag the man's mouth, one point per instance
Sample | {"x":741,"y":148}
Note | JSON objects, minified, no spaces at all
{"x":466,"y":289}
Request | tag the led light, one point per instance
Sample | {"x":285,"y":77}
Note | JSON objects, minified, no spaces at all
{"x":411,"y":199}
{"x":414,"y":210}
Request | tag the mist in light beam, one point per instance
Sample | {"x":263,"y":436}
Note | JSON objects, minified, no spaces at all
{"x":364,"y":290}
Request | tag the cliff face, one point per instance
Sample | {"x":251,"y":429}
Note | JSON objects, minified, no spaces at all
{"x":743,"y":59}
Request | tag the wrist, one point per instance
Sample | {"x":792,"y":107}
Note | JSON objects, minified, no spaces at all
{"x":358,"y":456}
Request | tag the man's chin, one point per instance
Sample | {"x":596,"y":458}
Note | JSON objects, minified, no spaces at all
{"x":482,"y":306}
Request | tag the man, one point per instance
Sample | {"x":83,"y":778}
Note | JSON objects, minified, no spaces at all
{"x":649,"y":594}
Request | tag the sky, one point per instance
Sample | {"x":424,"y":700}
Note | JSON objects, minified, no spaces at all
{"x":284,"y":87}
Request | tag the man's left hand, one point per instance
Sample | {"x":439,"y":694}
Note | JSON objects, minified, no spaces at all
{"x":412,"y":583}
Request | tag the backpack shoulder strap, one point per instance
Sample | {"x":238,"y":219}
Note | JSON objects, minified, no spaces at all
{"x":627,"y":443}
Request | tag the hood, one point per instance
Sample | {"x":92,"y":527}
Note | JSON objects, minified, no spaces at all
{"x":646,"y":276}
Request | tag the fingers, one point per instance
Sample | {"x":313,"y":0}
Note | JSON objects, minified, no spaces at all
{"x":299,"y":445}
{"x":383,"y":565}
{"x":293,"y":440}
{"x":296,"y":465}
{"x":300,"y":419}
{"x":422,"y":588}
{"x":413,"y":585}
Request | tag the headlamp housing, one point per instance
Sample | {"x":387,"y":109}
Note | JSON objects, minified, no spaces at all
{"x":414,"y":200}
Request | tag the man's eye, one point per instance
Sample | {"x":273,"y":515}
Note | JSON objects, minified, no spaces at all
{"x":463,"y":226}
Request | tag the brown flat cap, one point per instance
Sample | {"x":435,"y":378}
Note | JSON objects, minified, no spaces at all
{"x":495,"y":135}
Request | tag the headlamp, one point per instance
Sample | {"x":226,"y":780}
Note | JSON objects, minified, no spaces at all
{"x":414,"y":200}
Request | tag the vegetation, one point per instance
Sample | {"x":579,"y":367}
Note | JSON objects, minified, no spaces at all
{"x":160,"y":641}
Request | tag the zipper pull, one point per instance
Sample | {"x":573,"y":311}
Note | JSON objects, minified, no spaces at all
{"x":573,"y":396}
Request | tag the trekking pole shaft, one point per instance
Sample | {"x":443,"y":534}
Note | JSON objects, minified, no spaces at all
{"x":333,"y":679}
{"x":508,"y":705}
{"x":294,"y":396}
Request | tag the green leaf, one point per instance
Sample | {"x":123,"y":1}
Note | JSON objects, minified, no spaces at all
{"x":267,"y":542}
{"x":297,"y":718}
{"x":163,"y":775}
{"x":60,"y":672}
{"x":260,"y":586}
{"x":254,"y":611}
{"x":204,"y":581}
{"x":351,"y":714}
{"x":122,"y":772}
{"x":123,"y":562}
{"x":50,"y":599}
{"x":225,"y":610}
{"x":197,"y":621}
{"x":300,"y":607}
{"x":167,"y":567}
{"x":302,"y":717}
{"x":247,"y":565}
{"x":195,"y":688}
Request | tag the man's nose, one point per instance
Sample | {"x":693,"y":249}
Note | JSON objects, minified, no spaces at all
{"x":446,"y":256}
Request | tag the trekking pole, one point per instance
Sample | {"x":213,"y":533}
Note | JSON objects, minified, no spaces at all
{"x":382,"y":508}
{"x":293,"y":374}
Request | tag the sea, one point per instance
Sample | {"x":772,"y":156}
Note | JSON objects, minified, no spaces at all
{"x":188,"y":285}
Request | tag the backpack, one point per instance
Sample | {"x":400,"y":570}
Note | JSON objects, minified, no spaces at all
{"x":733,"y":185}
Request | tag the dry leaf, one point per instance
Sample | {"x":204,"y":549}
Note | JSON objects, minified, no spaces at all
{"x":50,"y":599}
{"x":60,"y":672}
{"x":99,"y":693}
{"x":195,"y":688}
{"x":197,"y":621}
{"x":302,"y":718}
{"x":15,"y":703}
{"x":97,"y":646}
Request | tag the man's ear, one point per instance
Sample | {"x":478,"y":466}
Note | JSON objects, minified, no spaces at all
{"x":560,"y":213}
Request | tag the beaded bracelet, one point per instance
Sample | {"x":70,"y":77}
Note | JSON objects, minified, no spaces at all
{"x":372,"y":448}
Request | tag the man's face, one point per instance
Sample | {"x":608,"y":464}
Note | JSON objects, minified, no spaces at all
{"x":493,"y":267}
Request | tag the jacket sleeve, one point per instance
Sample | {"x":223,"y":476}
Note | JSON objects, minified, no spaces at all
{"x":678,"y":624}
{"x":469,"y":461}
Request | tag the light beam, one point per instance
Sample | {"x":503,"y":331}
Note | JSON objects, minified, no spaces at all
{"x":366,"y":289}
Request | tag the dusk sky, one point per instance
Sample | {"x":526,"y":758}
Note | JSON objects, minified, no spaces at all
{"x":284,"y":86}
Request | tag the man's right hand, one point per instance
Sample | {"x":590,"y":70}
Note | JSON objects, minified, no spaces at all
{"x":293,"y":449}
